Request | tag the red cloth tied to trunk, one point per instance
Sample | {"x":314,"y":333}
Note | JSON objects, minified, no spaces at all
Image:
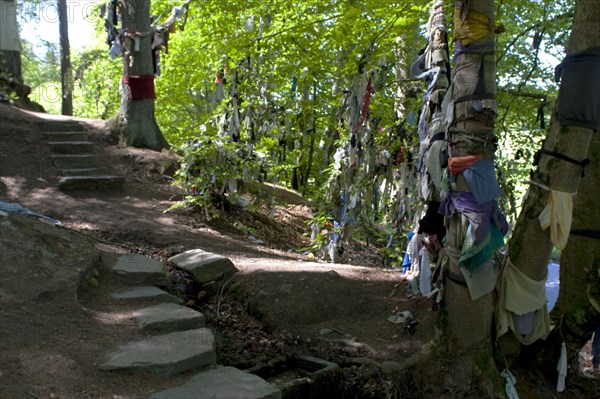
{"x":457,"y":164}
{"x":139,"y":87}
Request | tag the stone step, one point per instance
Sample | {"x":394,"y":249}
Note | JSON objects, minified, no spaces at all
{"x":166,"y":355}
{"x":90,"y":182}
{"x":222,"y":383}
{"x":75,"y":161}
{"x":204,"y":266}
{"x":138,"y":269}
{"x":168,"y":317}
{"x":146,"y":293}
{"x":66,"y":136}
{"x":80,"y":172}
{"x":71,"y":147}
{"x":61,"y":126}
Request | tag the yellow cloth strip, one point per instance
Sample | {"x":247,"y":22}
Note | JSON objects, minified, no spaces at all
{"x":475,"y":26}
{"x":558,"y":215}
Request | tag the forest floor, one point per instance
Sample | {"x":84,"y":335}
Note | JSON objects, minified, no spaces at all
{"x":279,"y":304}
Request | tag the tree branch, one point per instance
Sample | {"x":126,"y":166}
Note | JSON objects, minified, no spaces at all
{"x":519,"y":93}
{"x":296,"y":27}
{"x":526,"y":30}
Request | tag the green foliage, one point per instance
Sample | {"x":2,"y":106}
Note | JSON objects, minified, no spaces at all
{"x":254,"y":90}
{"x":322,"y":228}
{"x":42,"y":74}
{"x":284,"y":69}
{"x":209,"y":167}
{"x":96,"y":80}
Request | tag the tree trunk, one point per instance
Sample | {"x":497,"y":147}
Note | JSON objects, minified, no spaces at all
{"x":530,"y":247}
{"x":467,"y":325}
{"x":136,"y":122}
{"x":10,"y":44}
{"x":576,"y":316}
{"x":66,"y":75}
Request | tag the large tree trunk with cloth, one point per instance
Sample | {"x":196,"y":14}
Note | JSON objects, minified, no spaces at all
{"x":10,"y":48}
{"x":66,"y":75}
{"x":562,"y":163}
{"x":469,"y":275}
{"x":577,"y":311}
{"x":136,"y":123}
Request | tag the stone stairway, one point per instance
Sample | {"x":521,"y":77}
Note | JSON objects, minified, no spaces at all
{"x":75,"y":157}
{"x":181,"y":341}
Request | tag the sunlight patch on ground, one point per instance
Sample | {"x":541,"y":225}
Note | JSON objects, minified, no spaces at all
{"x":14,"y":185}
{"x":286,"y":266}
{"x":112,"y":318}
{"x":83,"y":226}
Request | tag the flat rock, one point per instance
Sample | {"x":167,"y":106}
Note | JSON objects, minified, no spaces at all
{"x":61,"y":126}
{"x":66,"y":136}
{"x":168,"y":317}
{"x":75,"y":161}
{"x":222,"y":383}
{"x":204,"y":266}
{"x":138,"y":269}
{"x":71,"y":147}
{"x":90,"y":182}
{"x":141,"y":293}
{"x":166,"y":355}
{"x":80,"y":172}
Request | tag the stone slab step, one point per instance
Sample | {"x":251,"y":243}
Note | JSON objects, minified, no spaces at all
{"x":222,"y":383}
{"x":75,"y":161}
{"x":146,"y":293}
{"x":80,"y":172}
{"x":138,"y":269}
{"x":71,"y":147}
{"x":166,"y":355}
{"x":168,"y":317}
{"x":90,"y":182}
{"x":61,"y":126}
{"x":66,"y":136}
{"x":204,"y":266}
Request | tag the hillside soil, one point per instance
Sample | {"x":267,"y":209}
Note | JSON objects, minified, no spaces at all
{"x":53,"y":335}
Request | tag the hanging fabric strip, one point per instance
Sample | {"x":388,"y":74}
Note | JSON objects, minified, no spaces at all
{"x":139,"y":87}
{"x":558,"y":216}
{"x":518,"y":294}
{"x":509,"y":387}
{"x":457,"y":164}
{"x":562,"y":369}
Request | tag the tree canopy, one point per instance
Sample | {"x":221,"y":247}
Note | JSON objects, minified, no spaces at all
{"x":275,"y":91}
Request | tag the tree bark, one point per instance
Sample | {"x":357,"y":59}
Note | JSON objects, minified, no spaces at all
{"x":136,"y":121}
{"x":530,"y":247}
{"x":66,"y":75}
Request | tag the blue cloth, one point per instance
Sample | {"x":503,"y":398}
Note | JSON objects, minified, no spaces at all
{"x":16,"y":208}
{"x":481,"y":178}
{"x":406,"y":263}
